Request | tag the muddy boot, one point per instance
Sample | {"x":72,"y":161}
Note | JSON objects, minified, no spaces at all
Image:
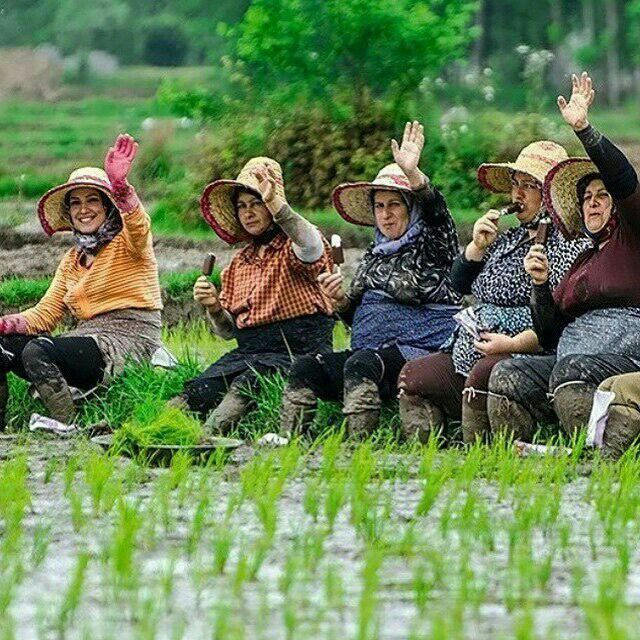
{"x":419,"y":417}
{"x":4,"y":397}
{"x":572,"y":403}
{"x":52,"y":388}
{"x":232,"y":408}
{"x":297,"y":411}
{"x":507,"y":417}
{"x":475,"y":420}
{"x":362,"y":408}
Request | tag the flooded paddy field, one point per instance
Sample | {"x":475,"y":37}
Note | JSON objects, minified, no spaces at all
{"x":322,"y":540}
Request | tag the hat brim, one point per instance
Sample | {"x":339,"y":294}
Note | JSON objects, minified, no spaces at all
{"x":496,"y":176}
{"x":51,"y":209}
{"x":219,"y":213}
{"x":352,"y":201}
{"x":561,"y":197}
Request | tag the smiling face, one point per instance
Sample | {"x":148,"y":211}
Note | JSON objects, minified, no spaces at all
{"x":253,"y":213}
{"x":392,"y":213}
{"x":596,"y":206}
{"x":526,"y":190}
{"x":87,"y":210}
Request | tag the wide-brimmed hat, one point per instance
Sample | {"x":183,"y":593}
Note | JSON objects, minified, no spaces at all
{"x":536,"y":160}
{"x":216,"y":202}
{"x":561,"y":195}
{"x":53,"y":212}
{"x":352,"y":200}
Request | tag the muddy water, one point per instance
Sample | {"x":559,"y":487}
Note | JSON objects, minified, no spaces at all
{"x":200,"y":601}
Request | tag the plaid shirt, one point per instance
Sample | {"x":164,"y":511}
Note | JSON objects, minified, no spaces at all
{"x":276,"y":287}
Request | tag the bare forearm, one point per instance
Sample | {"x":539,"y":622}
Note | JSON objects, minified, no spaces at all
{"x":526,"y":342}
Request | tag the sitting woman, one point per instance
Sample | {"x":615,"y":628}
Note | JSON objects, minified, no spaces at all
{"x":108,"y":282}
{"x":452,"y":384}
{"x":270,"y":300}
{"x":400,"y":303}
{"x":592,"y":318}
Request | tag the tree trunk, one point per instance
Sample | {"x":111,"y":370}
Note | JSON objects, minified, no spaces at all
{"x":589,"y":20}
{"x":480,"y":21}
{"x":613,"y":61}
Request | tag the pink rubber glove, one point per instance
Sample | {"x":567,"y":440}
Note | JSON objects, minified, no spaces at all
{"x":117,"y":165}
{"x":13,"y":323}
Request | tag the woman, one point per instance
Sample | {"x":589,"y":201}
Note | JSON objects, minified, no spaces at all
{"x":108,"y":282}
{"x":270,"y":301}
{"x":593,"y":317}
{"x":452,"y":384}
{"x":400,"y":303}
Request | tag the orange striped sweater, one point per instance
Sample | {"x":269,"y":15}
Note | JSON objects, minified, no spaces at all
{"x":123,"y":275}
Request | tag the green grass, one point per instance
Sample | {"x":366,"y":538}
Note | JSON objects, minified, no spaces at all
{"x":24,"y":292}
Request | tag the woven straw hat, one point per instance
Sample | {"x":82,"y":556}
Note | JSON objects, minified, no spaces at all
{"x":216,"y":202}
{"x":352,"y":200}
{"x":561,"y":195}
{"x":52,"y":211}
{"x":536,"y":160}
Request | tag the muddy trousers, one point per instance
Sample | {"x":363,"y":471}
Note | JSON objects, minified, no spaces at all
{"x":541,"y":389}
{"x":622,"y":429}
{"x":432,"y":393}
{"x":52,"y":365}
{"x":361,"y":379}
{"x":225,"y":399}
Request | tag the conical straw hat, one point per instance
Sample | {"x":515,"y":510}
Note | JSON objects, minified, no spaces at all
{"x":536,"y":160}
{"x":352,"y":200}
{"x":561,"y":195}
{"x":216,"y":202}
{"x":52,"y":211}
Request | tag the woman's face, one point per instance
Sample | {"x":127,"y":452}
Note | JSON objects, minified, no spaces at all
{"x":86,"y":209}
{"x":526,"y":190}
{"x":253,"y":213}
{"x":392,"y":213}
{"x":596,"y":206}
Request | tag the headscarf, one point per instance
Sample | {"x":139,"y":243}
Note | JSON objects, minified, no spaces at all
{"x":91,"y":243}
{"x":603,"y":234}
{"x":415,"y":228}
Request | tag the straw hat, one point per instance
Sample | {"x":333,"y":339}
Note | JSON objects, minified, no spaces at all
{"x":52,"y":211}
{"x":352,"y":200}
{"x":216,"y":202}
{"x":561,"y":195}
{"x":536,"y":160}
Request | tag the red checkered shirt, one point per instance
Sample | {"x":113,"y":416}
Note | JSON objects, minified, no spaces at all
{"x":277,"y":286}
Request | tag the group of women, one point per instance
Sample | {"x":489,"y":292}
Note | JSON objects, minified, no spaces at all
{"x":555,"y":312}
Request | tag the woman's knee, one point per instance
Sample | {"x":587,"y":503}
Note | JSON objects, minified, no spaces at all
{"x":507,"y":378}
{"x":36,"y":354}
{"x":573,"y":368}
{"x":306,"y":371}
{"x":364,"y":364}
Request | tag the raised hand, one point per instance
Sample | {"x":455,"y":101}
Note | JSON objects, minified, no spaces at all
{"x":407,"y":155}
{"x":267,"y":185}
{"x":575,"y":111}
{"x":119,"y":158}
{"x":13,"y":323}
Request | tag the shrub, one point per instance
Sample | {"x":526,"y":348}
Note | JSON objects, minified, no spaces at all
{"x":165,"y":42}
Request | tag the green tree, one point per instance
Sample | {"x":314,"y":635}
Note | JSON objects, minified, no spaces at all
{"x":81,"y":25}
{"x":321,"y":47}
